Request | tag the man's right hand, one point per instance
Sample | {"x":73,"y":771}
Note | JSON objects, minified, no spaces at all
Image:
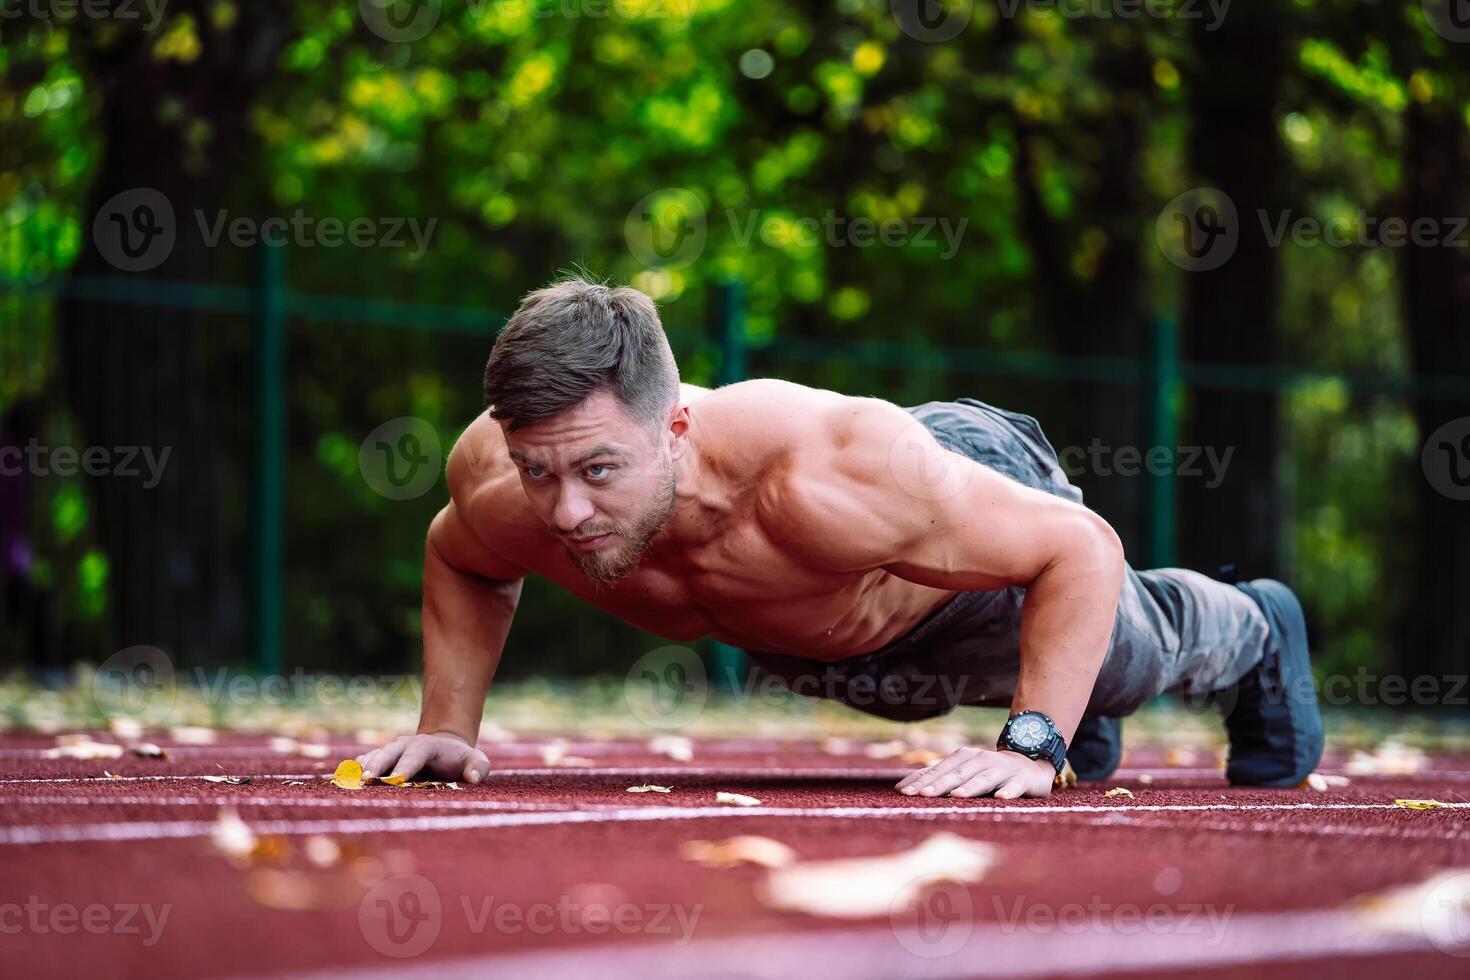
{"x":445,"y":756}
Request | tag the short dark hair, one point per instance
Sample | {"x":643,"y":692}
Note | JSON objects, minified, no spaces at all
{"x":573,"y":338}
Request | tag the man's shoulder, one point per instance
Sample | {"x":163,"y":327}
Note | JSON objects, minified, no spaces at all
{"x":795,"y":421}
{"x":482,"y":479}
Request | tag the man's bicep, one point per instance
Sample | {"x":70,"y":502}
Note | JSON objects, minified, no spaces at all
{"x":455,"y":543}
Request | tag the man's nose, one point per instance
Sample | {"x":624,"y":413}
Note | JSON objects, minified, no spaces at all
{"x":572,"y":510}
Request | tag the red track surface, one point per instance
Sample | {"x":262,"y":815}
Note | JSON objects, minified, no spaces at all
{"x":511,"y":877}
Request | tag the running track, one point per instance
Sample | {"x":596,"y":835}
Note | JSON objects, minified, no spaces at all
{"x":560,"y":872}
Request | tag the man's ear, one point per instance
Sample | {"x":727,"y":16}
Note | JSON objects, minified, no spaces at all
{"x":678,"y":429}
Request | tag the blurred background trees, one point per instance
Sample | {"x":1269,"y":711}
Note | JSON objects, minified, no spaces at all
{"x":535,"y":133}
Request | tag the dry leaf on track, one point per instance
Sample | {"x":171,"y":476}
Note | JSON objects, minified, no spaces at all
{"x":649,"y":788}
{"x":348,"y":775}
{"x":84,"y":748}
{"x":1422,"y":804}
{"x":127,"y":729}
{"x":226,"y":778}
{"x":675,"y":747}
{"x":231,"y":837}
{"x":1120,"y":791}
{"x":1321,"y":782}
{"x":736,"y":799}
{"x":734,"y":851}
{"x":885,"y":750}
{"x":147,"y":750}
{"x":1391,"y":759}
{"x":857,"y":888}
{"x":555,"y":754}
{"x":193,"y":735}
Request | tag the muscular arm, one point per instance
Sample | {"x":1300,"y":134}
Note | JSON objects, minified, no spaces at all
{"x":470,"y":598}
{"x":886,"y":495}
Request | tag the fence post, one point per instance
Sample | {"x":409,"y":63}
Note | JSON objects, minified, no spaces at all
{"x":1163,"y":421}
{"x":728,"y":326}
{"x":267,"y":581}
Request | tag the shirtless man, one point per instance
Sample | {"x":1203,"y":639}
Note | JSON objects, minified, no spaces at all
{"x":834,"y":536}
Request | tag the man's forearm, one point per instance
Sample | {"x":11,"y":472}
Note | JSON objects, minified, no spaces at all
{"x":465,"y":619}
{"x":1066,"y":627}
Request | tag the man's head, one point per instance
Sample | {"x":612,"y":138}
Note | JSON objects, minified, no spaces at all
{"x":587,"y":393}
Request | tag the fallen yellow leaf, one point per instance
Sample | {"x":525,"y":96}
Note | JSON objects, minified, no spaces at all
{"x":746,"y":849}
{"x":648,"y":788}
{"x":1421,"y":804}
{"x":395,"y":780}
{"x":736,"y":799}
{"x":856,"y":888}
{"x":348,"y":775}
{"x":1119,"y":791}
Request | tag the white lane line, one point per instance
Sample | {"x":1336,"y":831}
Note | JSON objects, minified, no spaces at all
{"x":340,"y":800}
{"x":946,"y":951}
{"x":105,"y":780}
{"x":147,"y":830}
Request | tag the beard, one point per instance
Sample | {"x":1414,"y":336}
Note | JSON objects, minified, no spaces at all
{"x":607,"y":565}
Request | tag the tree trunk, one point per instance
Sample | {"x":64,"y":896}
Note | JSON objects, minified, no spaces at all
{"x":1436,"y":296}
{"x":1229,"y":312}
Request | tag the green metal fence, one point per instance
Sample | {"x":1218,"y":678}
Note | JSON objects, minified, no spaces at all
{"x":270,"y":303}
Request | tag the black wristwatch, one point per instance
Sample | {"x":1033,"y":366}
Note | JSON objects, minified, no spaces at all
{"x":1035,"y":736}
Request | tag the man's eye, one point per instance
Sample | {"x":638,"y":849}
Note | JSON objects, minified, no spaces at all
{"x":535,"y":472}
{"x":598,"y":472}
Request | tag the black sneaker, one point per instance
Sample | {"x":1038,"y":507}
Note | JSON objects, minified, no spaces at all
{"x":1274,"y":723}
{"x":1096,"y":748}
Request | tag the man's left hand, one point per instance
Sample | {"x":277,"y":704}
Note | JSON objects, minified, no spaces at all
{"x":981,"y":772}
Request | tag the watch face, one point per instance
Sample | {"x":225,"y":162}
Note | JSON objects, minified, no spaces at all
{"x":1028,"y":731}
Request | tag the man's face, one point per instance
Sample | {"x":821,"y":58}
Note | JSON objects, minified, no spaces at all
{"x":602,"y":481}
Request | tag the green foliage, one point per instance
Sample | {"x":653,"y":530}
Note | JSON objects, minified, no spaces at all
{"x":532,"y":137}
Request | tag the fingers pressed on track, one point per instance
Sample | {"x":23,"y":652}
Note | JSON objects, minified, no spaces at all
{"x":380,"y":760}
{"x":981,"y":784}
{"x":413,"y":758}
